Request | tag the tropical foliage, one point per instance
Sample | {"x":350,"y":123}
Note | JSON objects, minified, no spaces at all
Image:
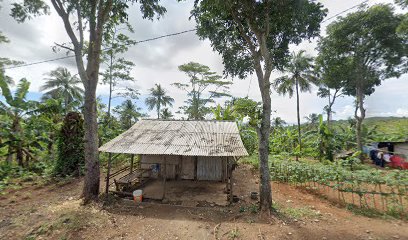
{"x":70,"y":159}
{"x":158,"y":98}
{"x":61,"y":84}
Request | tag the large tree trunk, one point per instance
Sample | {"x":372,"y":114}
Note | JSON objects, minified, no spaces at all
{"x":92,"y":171}
{"x":359,"y":119}
{"x":263,"y":135}
{"x":265,"y":184}
{"x":298,"y":119}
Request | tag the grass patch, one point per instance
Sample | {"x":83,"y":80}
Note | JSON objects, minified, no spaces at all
{"x":67,"y":224}
{"x":295,"y":212}
{"x":252,"y":160}
{"x":252,"y":209}
{"x":372,"y":213}
{"x":234,"y":234}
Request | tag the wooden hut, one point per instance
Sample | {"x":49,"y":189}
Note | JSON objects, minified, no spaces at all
{"x":179,"y":150}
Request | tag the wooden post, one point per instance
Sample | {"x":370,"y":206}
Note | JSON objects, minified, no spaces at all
{"x":131,"y":162}
{"x":108,"y":173}
{"x":231,"y":196}
{"x":164,"y":179}
{"x":195,"y":167}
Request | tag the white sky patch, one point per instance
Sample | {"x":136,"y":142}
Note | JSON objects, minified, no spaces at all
{"x":402,"y":112}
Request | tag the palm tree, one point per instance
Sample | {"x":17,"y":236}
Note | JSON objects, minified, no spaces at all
{"x":61,"y":84}
{"x":158,"y":98}
{"x":166,"y":114}
{"x":312,"y":119}
{"x":128,"y":113}
{"x":300,"y":78}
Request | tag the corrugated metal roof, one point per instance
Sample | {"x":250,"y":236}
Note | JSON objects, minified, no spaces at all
{"x":179,"y":137}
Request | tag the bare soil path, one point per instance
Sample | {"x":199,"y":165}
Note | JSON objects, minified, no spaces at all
{"x":54,"y":212}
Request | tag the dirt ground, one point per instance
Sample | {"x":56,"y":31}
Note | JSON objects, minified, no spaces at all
{"x":187,"y":193}
{"x":54,"y":211}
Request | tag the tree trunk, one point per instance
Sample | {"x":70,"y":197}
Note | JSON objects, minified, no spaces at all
{"x":263,"y":133}
{"x":298,"y":119}
{"x":158,"y":110}
{"x":9,"y":158}
{"x":359,"y":119}
{"x":329,"y":111}
{"x":19,"y":154}
{"x":19,"y":147}
{"x":109,"y":101}
{"x":92,"y":171}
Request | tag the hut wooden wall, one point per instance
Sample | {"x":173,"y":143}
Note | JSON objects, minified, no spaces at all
{"x":211,"y":168}
{"x":188,"y":167}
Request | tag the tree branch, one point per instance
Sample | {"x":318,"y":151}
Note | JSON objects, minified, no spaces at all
{"x":65,"y":47}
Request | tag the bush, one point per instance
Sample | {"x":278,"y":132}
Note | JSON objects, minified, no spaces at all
{"x":249,"y":139}
{"x":70,"y":145}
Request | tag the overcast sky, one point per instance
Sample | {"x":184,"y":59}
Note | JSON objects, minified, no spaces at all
{"x":157,"y":61}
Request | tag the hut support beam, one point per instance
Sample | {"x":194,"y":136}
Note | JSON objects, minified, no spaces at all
{"x":131,"y":162}
{"x":108,"y":173}
{"x":231,"y":196}
{"x":164,"y":178}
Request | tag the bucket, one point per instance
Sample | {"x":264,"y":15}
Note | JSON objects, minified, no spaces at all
{"x":138,"y":195}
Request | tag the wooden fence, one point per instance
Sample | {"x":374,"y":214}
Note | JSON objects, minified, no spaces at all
{"x":383,"y":191}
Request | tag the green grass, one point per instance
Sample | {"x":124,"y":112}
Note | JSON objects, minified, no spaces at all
{"x":295,"y":212}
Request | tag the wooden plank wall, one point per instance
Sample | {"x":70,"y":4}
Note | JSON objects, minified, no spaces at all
{"x":188,"y":167}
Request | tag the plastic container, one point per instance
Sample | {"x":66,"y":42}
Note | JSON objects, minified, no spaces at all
{"x":138,"y":195}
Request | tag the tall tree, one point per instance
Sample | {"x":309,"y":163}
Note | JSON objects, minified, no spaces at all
{"x":202,"y":87}
{"x":254,"y":36}
{"x":367,"y":49}
{"x":300,"y":78}
{"x":129,"y":113}
{"x":330,"y":80}
{"x":118,"y":68}
{"x":85,"y":22}
{"x":61,"y":84}
{"x":158,"y":98}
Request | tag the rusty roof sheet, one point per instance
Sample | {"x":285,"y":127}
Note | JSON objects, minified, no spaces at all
{"x":179,"y":137}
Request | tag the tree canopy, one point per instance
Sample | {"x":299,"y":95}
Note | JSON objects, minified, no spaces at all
{"x":360,"y":50}
{"x":202,"y":87}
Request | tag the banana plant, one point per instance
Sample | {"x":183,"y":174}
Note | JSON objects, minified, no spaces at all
{"x":15,"y":108}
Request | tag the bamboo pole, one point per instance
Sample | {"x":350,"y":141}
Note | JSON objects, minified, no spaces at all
{"x":108,"y":173}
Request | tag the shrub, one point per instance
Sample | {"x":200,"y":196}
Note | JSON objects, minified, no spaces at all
{"x":70,"y":145}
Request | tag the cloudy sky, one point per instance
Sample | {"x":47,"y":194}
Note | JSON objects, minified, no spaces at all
{"x":157,"y":61}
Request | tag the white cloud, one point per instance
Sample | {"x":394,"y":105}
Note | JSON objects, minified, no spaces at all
{"x":402,"y":112}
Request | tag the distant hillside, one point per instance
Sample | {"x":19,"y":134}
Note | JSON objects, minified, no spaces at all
{"x":388,"y":128}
